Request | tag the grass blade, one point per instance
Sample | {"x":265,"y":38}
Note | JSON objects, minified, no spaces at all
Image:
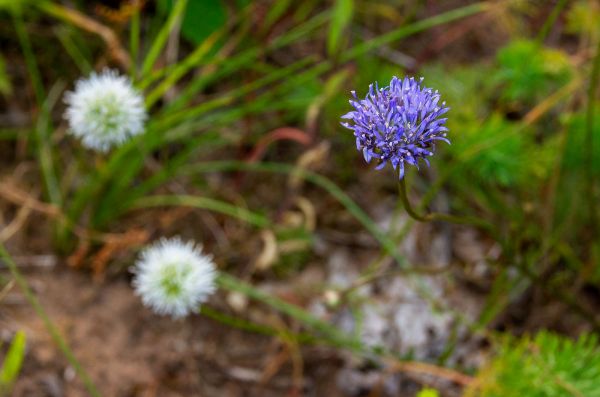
{"x":134,"y":39}
{"x":172,"y":118}
{"x":413,"y":28}
{"x":227,"y":66}
{"x":248,"y":326}
{"x":222,"y":207}
{"x":64,"y":36}
{"x":44,"y":145}
{"x":326,"y":330}
{"x":161,"y":39}
{"x":341,"y":18}
{"x":183,"y":67}
{"x":30,"y":61}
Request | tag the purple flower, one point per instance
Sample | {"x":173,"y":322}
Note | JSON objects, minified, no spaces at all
{"x":399,"y":123}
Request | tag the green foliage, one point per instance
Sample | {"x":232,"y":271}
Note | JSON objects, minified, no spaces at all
{"x":278,"y":9}
{"x":584,"y":18}
{"x":342,"y":15}
{"x":499,"y":162}
{"x":499,"y":152}
{"x":465,"y":89}
{"x":5,"y":86}
{"x":545,"y":366}
{"x":12,"y":363}
{"x":202,"y":18}
{"x":371,"y":71}
{"x":175,"y":15}
{"x":529,"y":71}
{"x":574,"y":156}
{"x":428,"y":392}
{"x":13,"y":5}
{"x":571,"y":207}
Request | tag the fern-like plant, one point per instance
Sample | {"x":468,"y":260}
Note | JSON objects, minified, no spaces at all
{"x":528,"y":72}
{"x":545,"y":366}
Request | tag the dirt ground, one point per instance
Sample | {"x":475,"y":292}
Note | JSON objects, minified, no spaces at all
{"x":129,"y":351}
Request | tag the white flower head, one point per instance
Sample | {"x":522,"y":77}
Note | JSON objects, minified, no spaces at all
{"x":174,"y":277}
{"x":105,"y":110}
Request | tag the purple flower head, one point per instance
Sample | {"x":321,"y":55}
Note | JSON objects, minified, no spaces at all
{"x":399,"y":123}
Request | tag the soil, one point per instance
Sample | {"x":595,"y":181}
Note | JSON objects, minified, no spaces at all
{"x":129,"y":351}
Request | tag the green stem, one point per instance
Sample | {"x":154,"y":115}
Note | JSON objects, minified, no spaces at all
{"x":54,"y":333}
{"x":331,"y":333}
{"x":406,"y":202}
{"x":437,"y":216}
{"x":550,"y":21}
{"x":249,"y":326}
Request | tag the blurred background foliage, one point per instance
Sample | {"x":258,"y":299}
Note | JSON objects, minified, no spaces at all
{"x":545,"y":366}
{"x":524,"y":126}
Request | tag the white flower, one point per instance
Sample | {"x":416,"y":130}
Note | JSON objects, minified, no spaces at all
{"x":173,"y":277}
{"x":105,"y":110}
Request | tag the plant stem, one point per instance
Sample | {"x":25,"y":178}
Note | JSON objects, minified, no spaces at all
{"x":329,"y":332}
{"x":437,"y":216}
{"x":249,"y":326}
{"x":550,"y":20}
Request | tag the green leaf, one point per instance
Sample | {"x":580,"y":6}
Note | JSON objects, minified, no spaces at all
{"x":427,"y":392}
{"x":342,"y":15}
{"x":12,"y":362}
{"x":202,"y":18}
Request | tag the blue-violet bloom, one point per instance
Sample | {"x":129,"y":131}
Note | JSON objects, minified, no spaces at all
{"x":399,"y":123}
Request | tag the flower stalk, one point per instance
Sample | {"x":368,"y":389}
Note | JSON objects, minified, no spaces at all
{"x":437,"y":216}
